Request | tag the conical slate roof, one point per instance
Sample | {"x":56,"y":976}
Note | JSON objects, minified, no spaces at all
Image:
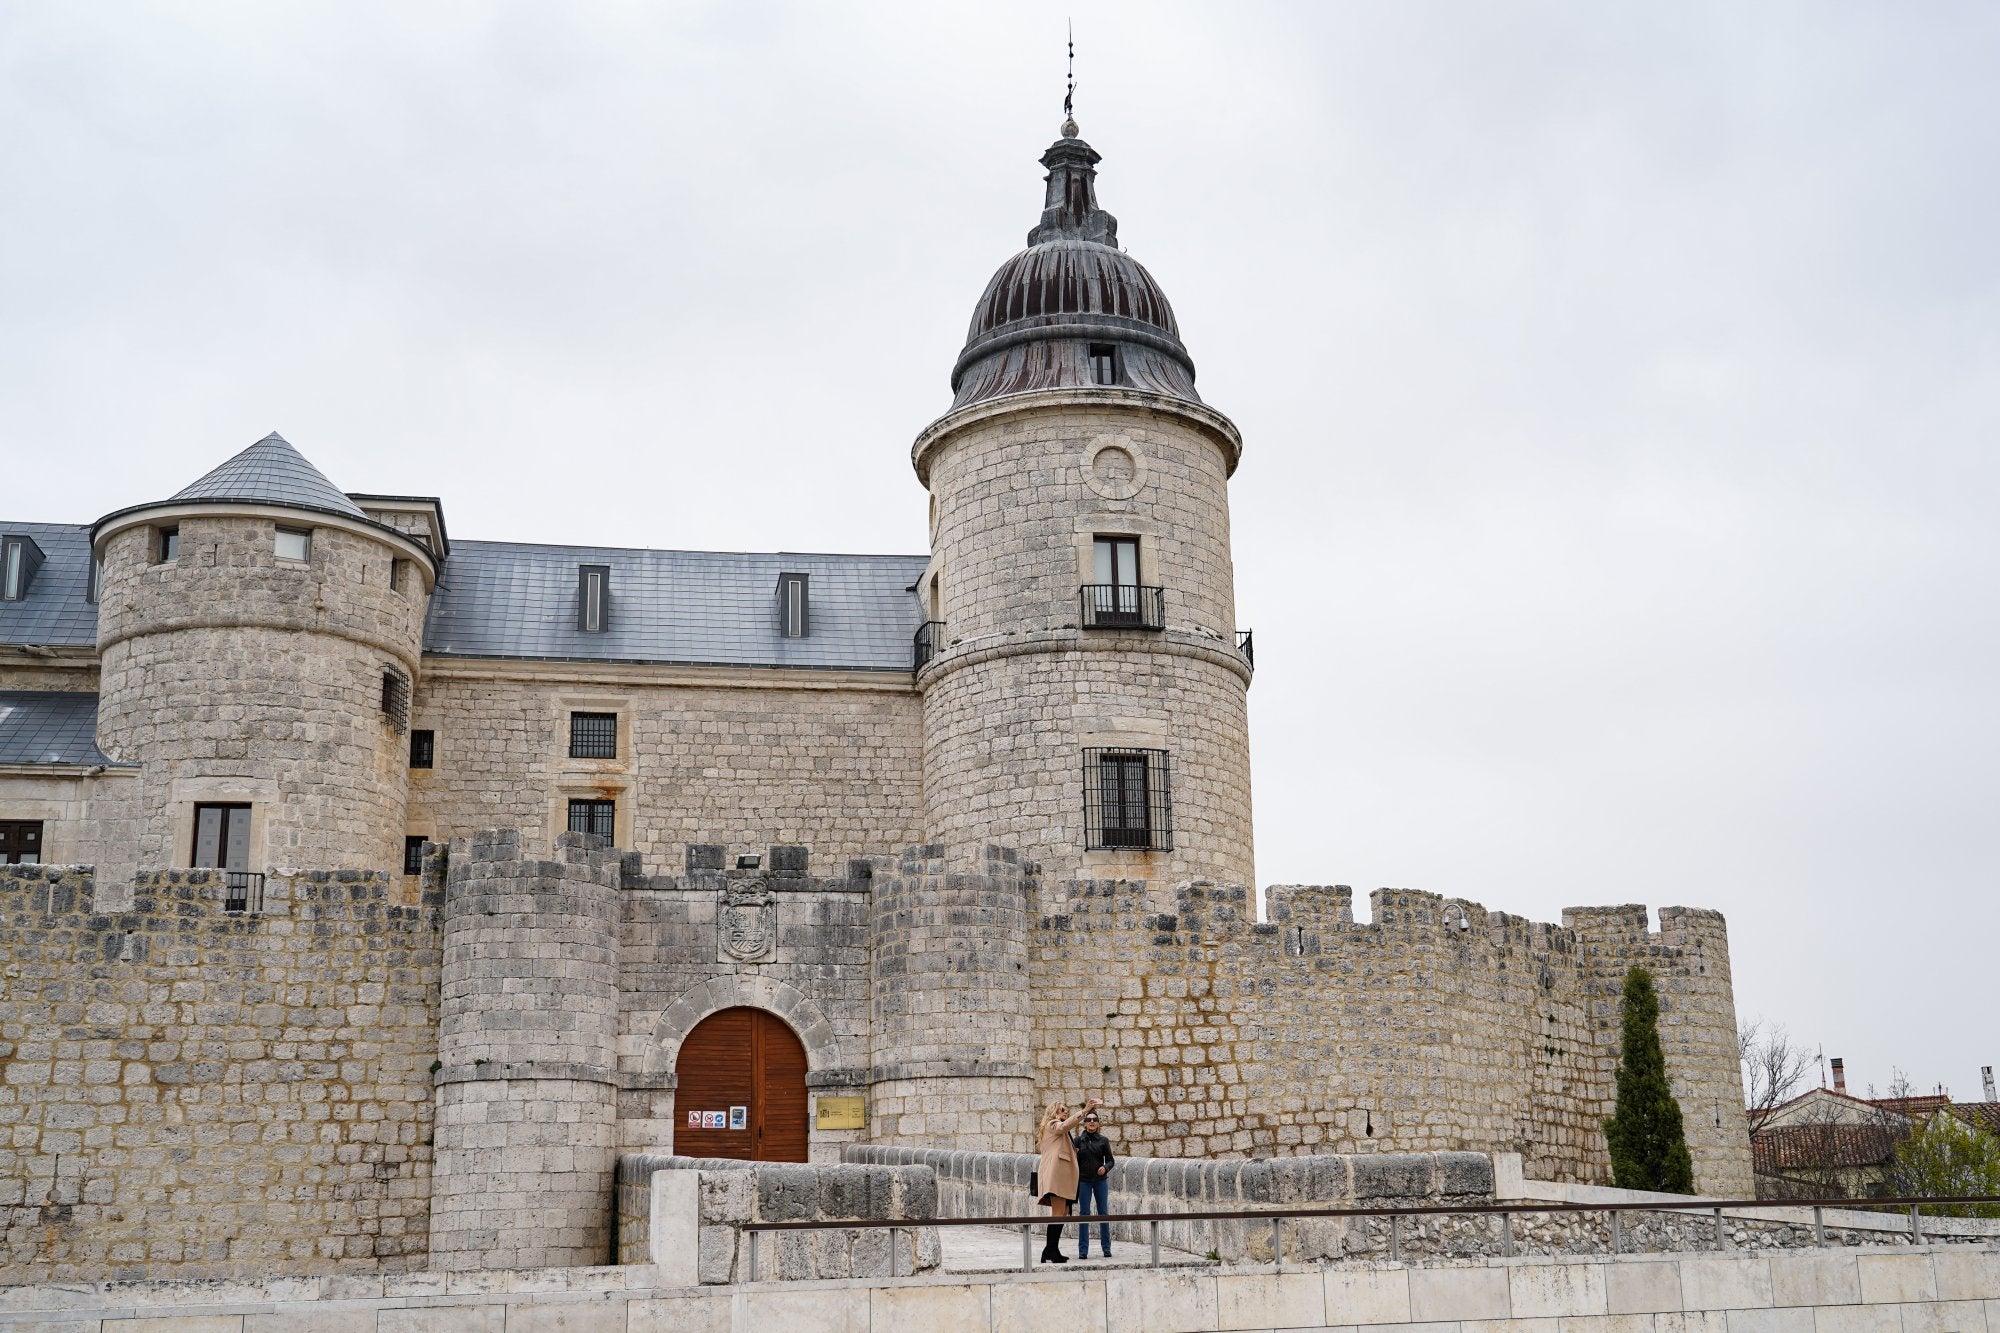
{"x":270,"y":472}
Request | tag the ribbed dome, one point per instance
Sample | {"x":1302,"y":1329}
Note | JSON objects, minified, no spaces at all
{"x":1072,"y":308}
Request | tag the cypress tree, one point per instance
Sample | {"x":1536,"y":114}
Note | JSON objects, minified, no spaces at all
{"x":1648,"y":1144}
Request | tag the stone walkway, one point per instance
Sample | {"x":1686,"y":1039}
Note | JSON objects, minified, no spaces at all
{"x":998,"y":1250}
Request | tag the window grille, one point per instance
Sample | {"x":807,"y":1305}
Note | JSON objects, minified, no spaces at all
{"x":593,"y":735}
{"x":413,"y":854}
{"x":242,"y":892}
{"x":423,"y":748}
{"x":593,"y":598}
{"x":1127,"y":799}
{"x":396,"y":699}
{"x":593,"y":816}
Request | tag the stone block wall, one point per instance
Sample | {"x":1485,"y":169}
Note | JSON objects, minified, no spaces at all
{"x":950,"y":1004}
{"x":707,"y":756}
{"x":1437,"y":1026}
{"x":1020,"y":486}
{"x":732,"y":1193}
{"x":188,"y":1092}
{"x":234,"y":676}
{"x":676,"y":969}
{"x":527,"y":1091}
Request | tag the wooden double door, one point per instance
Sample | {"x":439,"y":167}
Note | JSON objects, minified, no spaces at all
{"x":747,"y":1069}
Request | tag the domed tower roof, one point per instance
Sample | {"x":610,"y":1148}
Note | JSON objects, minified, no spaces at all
{"x":1072,"y":310}
{"x":269,"y":472}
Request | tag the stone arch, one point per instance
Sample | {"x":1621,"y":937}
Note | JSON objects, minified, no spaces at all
{"x":788,"y":1002}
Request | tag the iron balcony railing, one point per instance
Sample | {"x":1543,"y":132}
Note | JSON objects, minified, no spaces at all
{"x":1504,"y":1211}
{"x":928,"y":643}
{"x":242,"y":891}
{"x":1246,"y":645}
{"x":1123,"y":606}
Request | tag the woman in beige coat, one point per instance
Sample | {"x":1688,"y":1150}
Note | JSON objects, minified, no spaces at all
{"x":1056,"y":1176}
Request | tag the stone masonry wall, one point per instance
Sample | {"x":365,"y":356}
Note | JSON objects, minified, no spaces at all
{"x":674,"y":971}
{"x":1208,"y":1034}
{"x":836,"y":766}
{"x":527,"y":1093}
{"x":950,"y":1007}
{"x":232,"y":675}
{"x":185,"y":1092}
{"x":1020,"y":487}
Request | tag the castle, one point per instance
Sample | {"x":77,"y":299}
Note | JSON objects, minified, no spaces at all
{"x":367,"y":892}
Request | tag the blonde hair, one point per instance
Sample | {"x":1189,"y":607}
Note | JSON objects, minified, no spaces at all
{"x":1050,"y":1112}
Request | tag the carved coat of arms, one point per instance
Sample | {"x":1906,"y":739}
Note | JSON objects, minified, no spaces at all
{"x":746,"y":921}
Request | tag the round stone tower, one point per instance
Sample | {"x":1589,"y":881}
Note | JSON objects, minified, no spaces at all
{"x":1086,"y":698}
{"x":260,"y":637}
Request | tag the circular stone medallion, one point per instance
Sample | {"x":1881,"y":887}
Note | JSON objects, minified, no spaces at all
{"x":1113,"y":469}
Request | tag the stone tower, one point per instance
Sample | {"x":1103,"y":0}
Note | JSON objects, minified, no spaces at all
{"x":260,"y":636}
{"x":1086,"y":700}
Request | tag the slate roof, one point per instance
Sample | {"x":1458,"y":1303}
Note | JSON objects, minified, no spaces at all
{"x":49,"y":727}
{"x":518,"y":600}
{"x":57,"y":611}
{"x":270,"y":472}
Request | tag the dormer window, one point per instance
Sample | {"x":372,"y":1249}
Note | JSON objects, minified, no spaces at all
{"x":294,"y":544}
{"x":1103,"y":363}
{"x":593,"y":596}
{"x":166,"y":544}
{"x":20,"y":557}
{"x":794,"y":614}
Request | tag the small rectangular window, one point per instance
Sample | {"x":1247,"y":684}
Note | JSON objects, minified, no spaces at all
{"x":20,"y":557}
{"x":599,"y":817}
{"x":793,"y":607}
{"x":396,"y":564}
{"x":20,"y":842}
{"x":1127,"y":799}
{"x":96,"y":579}
{"x":593,"y":735}
{"x":413,"y":853}
{"x":593,"y":598}
{"x":396,"y":698}
{"x":294,"y":544}
{"x":1103,"y":363}
{"x":423,"y":748}
{"x":167,"y":545}
{"x":222,"y":837}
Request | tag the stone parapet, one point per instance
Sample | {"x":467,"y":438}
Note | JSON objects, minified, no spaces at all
{"x":193,"y":1091}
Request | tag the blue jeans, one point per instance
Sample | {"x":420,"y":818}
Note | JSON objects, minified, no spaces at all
{"x":1098,"y":1188}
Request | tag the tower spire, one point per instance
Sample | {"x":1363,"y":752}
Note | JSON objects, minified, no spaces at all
{"x":1069,"y":130}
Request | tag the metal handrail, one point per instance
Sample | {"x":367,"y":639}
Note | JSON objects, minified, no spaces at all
{"x":1122,"y":606}
{"x":1246,"y":644}
{"x":925,"y":645}
{"x":1277,"y":1216}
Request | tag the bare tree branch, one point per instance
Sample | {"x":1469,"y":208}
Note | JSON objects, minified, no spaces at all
{"x":1773,"y":1067}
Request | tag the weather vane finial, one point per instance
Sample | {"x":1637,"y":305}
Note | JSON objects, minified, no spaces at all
{"x":1069,"y":91}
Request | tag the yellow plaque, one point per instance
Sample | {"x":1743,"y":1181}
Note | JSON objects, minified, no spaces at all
{"x":842,"y":1113}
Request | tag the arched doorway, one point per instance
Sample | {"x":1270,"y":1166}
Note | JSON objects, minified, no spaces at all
{"x":745,"y":1066}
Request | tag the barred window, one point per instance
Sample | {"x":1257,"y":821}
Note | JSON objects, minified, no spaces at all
{"x":396,"y":699}
{"x":593,"y":735}
{"x":1127,"y":799}
{"x":423,"y":748}
{"x":593,"y":816}
{"x":413,"y":854}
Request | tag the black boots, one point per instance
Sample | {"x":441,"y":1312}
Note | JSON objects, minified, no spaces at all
{"x":1052,"y":1252}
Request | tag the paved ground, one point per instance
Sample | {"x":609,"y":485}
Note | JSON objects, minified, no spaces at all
{"x":998,"y":1249}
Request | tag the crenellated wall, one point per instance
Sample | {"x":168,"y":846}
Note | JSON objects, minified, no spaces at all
{"x":1437,"y":1026}
{"x":190,"y":1092}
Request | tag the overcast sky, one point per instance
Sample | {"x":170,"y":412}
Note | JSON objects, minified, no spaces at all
{"x":1619,"y":384}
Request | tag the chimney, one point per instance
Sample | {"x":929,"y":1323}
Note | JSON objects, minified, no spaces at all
{"x":1986,"y":1072}
{"x":1839,"y":1075}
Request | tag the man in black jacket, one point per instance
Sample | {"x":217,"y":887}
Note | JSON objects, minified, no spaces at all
{"x":1093,"y":1172}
